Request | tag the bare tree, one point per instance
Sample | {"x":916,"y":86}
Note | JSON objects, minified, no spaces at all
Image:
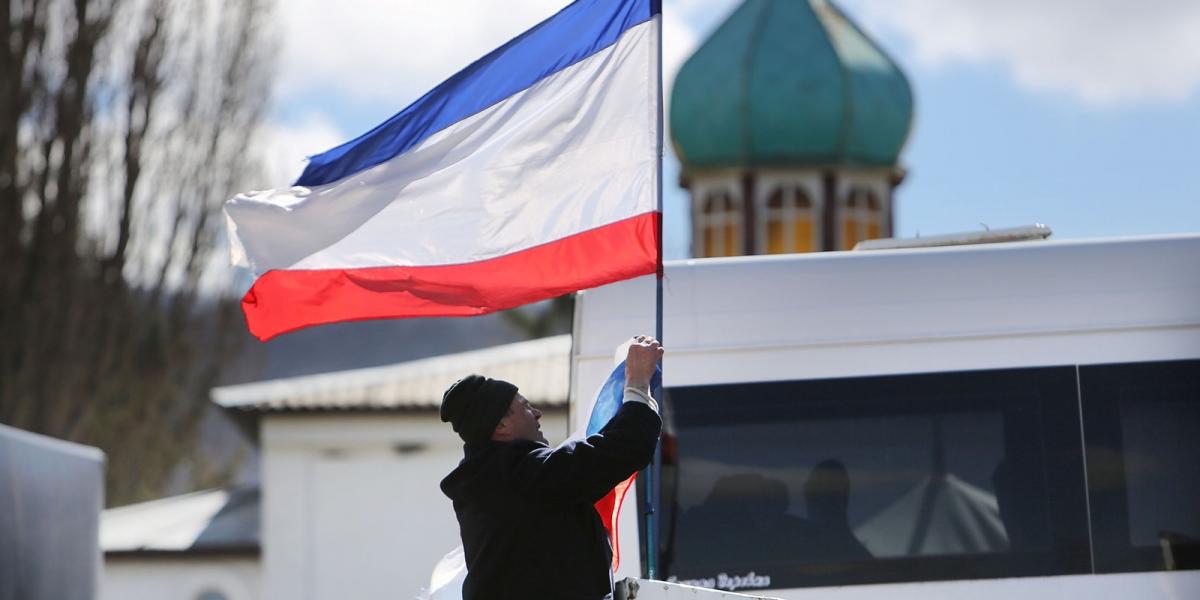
{"x":123,"y":126}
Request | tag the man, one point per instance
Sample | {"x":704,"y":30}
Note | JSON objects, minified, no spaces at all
{"x":524,"y":510}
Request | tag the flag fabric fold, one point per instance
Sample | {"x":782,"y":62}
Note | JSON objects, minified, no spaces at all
{"x":604,"y":408}
{"x":531,"y":173}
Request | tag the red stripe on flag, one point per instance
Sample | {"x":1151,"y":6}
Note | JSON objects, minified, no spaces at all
{"x":609,"y":508}
{"x":281,"y":300}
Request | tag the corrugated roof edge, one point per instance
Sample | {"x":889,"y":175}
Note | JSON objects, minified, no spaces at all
{"x":215,"y":522}
{"x":335,"y":392}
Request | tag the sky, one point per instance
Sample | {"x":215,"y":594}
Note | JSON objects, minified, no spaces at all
{"x":1080,"y":114}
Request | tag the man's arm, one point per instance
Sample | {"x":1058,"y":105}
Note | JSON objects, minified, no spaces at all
{"x":588,"y":469}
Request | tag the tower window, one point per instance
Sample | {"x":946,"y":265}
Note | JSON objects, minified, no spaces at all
{"x":720,"y":224}
{"x":861,"y":217}
{"x":789,"y":219}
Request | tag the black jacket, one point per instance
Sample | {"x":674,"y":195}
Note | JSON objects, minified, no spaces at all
{"x":529,"y":529}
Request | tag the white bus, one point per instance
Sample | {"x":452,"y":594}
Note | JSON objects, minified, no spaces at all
{"x":1016,"y":420}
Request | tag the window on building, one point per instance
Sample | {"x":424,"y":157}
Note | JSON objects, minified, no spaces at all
{"x":720,"y":224}
{"x":879,"y":479}
{"x":1142,"y":426}
{"x":861,"y":215}
{"x":790,"y":221}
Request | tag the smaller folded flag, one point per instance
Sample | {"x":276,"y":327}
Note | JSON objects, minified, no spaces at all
{"x":608,"y":400}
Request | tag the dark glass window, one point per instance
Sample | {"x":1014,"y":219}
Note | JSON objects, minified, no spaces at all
{"x":866,"y":480}
{"x":1143,"y":464}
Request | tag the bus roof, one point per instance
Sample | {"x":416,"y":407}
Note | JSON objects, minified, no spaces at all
{"x":841,"y":313}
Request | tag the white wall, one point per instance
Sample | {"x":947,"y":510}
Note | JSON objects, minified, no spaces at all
{"x":180,"y":579}
{"x":351,"y":504}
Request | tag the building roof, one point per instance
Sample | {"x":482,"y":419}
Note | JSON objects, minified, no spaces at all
{"x":211,"y":521}
{"x":787,"y":84}
{"x":541,"y":368}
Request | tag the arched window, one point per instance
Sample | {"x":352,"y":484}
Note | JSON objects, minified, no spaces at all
{"x":861,"y":217}
{"x":790,"y":221}
{"x":720,"y":224}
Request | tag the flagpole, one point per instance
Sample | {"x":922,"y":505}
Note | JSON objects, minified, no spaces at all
{"x":656,"y":467}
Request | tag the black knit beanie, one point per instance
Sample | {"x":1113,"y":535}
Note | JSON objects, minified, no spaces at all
{"x":475,"y":404}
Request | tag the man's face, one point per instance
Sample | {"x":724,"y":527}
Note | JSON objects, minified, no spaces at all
{"x":521,"y":422}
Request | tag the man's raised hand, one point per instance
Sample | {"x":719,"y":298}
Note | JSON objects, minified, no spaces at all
{"x":644,"y":354}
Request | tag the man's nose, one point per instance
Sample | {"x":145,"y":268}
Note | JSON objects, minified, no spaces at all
{"x":537,"y":414}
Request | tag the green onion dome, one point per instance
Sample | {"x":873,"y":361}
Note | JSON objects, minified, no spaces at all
{"x":786,"y":83}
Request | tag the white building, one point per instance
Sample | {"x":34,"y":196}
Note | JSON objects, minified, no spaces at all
{"x":199,"y":546}
{"x":350,"y":505}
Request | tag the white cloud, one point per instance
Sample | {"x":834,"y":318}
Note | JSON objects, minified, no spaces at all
{"x":385,"y":54}
{"x":1102,"y":52}
{"x":286,"y":146}
{"x":372,"y":52}
{"x":679,"y":41}
{"x":391,"y":52}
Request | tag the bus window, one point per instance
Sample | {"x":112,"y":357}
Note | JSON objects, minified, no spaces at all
{"x":880,"y":479}
{"x":1142,"y":426}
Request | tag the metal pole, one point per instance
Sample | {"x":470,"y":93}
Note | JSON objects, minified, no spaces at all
{"x":652,"y":478}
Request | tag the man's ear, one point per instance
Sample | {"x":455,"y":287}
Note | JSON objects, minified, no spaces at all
{"x":501,"y":432}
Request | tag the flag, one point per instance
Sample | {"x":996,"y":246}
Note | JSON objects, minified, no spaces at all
{"x":531,"y":173}
{"x":604,"y":408}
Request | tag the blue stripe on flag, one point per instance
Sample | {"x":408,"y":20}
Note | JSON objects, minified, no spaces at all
{"x":576,"y":32}
{"x":611,"y":395}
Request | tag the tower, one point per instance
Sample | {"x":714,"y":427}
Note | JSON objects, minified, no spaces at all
{"x":789,"y":122}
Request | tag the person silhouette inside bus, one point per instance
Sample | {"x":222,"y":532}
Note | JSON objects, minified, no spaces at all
{"x":525,"y":510}
{"x":827,"y":497}
{"x":1021,"y":512}
{"x":744,"y":520}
